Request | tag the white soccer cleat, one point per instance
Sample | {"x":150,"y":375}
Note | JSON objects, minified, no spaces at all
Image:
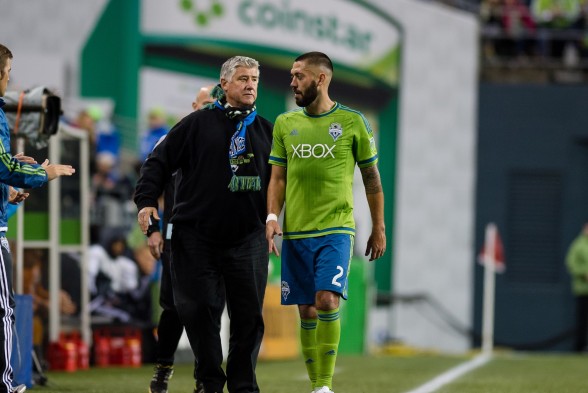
{"x":324,"y":389}
{"x":19,"y":389}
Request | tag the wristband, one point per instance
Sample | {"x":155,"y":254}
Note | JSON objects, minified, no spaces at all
{"x":271,"y":217}
{"x":153,"y":226}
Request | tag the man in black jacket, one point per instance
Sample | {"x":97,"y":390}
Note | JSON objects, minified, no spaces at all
{"x":218,"y":238}
{"x":169,"y":328}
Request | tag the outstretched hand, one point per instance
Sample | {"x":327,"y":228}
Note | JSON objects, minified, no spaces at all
{"x":56,"y":170}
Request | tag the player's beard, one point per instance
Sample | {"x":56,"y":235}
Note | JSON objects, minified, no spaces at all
{"x":308,"y":96}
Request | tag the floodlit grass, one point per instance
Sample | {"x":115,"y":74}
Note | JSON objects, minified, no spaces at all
{"x":507,"y":373}
{"x":526,"y":373}
{"x":353,"y":375}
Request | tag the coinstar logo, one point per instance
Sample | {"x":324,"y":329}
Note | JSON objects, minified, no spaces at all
{"x":282,"y":16}
{"x":204,"y":11}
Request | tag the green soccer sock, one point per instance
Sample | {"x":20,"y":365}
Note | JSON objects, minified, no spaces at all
{"x":328,"y":334}
{"x":308,"y":341}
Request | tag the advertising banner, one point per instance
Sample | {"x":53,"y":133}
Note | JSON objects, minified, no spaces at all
{"x":352,"y":33}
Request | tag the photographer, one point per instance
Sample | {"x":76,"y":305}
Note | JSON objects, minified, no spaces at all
{"x":16,"y":171}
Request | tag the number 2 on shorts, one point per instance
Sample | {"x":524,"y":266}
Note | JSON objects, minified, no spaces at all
{"x":337,"y":276}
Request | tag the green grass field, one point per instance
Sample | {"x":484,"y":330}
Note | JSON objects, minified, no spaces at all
{"x":506,"y":373}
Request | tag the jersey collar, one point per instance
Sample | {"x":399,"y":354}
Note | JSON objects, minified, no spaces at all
{"x":333,"y":109}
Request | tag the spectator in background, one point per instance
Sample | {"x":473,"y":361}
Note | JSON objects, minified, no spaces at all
{"x":508,"y":29}
{"x":493,"y":44}
{"x":107,"y":137}
{"x":577,"y":264}
{"x":170,"y":328}
{"x":203,"y":97}
{"x":71,"y":276}
{"x":86,"y":120}
{"x":111,"y":193}
{"x":555,"y":18}
{"x":34,"y":259}
{"x":112,"y":278}
{"x":104,"y":136}
{"x":108,"y":179}
{"x":581,"y":27}
{"x":142,"y":310}
{"x":121,"y":279}
{"x":519,"y":28}
{"x":157,"y":127}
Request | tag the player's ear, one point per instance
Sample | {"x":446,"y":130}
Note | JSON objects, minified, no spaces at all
{"x":321,"y":79}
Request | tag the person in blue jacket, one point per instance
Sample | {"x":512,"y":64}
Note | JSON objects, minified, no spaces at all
{"x":15,"y":171}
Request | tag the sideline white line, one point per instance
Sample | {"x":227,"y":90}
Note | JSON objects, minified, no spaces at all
{"x":452,"y":374}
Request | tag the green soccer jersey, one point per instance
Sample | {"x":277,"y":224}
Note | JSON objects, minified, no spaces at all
{"x":320,"y":153}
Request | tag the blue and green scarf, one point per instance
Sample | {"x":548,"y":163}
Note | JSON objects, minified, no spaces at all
{"x":241,"y":158}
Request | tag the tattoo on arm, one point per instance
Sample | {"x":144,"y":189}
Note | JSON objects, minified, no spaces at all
{"x":371,"y":180}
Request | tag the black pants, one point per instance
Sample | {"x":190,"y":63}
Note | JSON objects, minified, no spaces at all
{"x":6,"y":318}
{"x":581,"y":322}
{"x":203,"y":274}
{"x":170,"y":328}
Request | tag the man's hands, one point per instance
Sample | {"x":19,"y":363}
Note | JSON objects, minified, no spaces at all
{"x":155,"y":243}
{"x":16,"y":196}
{"x":53,"y":170}
{"x":20,"y":157}
{"x":376,"y":245}
{"x":143,"y":217}
{"x":56,"y":170}
{"x":272,"y":228}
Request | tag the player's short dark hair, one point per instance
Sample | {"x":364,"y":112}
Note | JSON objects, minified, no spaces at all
{"x":5,"y":54}
{"x":316,"y":58}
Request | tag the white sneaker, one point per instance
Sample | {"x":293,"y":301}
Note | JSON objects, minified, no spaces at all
{"x":19,"y":389}
{"x":324,"y":389}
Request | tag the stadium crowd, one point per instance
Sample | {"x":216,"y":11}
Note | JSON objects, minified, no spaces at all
{"x":549,"y":31}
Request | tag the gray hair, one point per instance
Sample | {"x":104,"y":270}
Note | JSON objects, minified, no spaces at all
{"x":230,"y":66}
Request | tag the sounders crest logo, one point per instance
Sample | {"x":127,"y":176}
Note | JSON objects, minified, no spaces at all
{"x":335,"y":130}
{"x":203,"y":10}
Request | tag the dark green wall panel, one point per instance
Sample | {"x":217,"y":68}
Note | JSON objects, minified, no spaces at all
{"x":532,"y":169}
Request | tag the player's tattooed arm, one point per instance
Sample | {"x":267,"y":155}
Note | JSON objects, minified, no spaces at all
{"x":376,"y":245}
{"x":371,"y":179}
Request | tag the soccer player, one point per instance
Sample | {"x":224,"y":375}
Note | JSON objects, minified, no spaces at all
{"x":315,"y":150}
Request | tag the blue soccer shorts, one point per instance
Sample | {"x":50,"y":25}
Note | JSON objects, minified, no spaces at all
{"x":315,"y":264}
